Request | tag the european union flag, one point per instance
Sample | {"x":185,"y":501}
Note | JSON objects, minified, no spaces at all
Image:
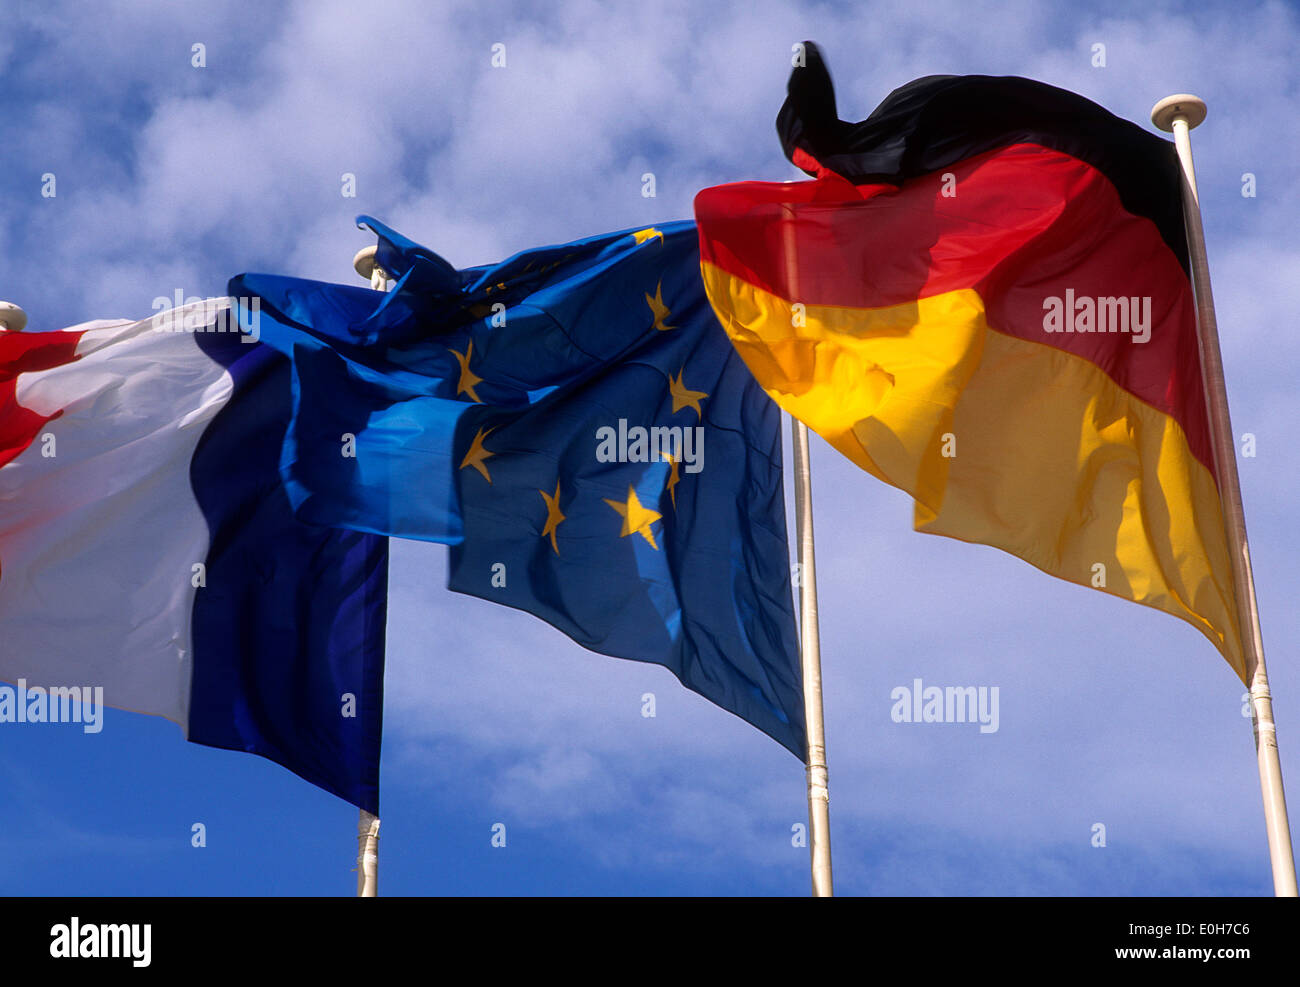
{"x":576,"y":424}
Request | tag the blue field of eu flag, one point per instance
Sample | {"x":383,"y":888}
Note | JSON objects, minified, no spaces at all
{"x":575,"y":423}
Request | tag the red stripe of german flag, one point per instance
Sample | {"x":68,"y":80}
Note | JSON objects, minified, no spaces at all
{"x":1003,"y":338}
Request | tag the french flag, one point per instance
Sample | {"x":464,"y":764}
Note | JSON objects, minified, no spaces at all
{"x":147,"y":546}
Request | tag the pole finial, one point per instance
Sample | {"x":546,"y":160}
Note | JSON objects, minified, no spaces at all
{"x":1190,"y":108}
{"x":12,"y":318}
{"x":364,"y":262}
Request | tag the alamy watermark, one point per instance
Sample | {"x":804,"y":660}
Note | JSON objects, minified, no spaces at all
{"x":655,"y":444}
{"x":75,"y":940}
{"x":1086,"y":313}
{"x":950,"y":704}
{"x":56,"y":704}
{"x":181,"y":314}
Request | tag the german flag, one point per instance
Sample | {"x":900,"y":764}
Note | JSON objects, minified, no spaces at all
{"x":983,"y":299}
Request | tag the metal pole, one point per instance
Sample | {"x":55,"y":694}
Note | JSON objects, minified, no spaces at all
{"x":368,"y":823}
{"x":367,"y":855}
{"x":1179,"y":114}
{"x":819,"y":813}
{"x":810,"y":651}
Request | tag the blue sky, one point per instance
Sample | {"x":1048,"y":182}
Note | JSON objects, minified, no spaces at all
{"x":171,"y":176}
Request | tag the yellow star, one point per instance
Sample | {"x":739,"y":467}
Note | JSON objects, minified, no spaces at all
{"x":658,"y":307}
{"x":636,"y":519}
{"x":477,"y":454}
{"x":683,"y":397}
{"x":649,"y":233}
{"x":553,"y":515}
{"x":467,"y":377}
{"x":673,"y":477}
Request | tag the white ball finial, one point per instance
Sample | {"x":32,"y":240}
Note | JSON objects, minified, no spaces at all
{"x":1190,"y":108}
{"x":12,"y":318}
{"x":364,"y":262}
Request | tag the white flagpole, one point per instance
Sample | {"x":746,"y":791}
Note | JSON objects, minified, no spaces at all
{"x":810,"y":651}
{"x":819,"y":813}
{"x":368,"y":823}
{"x":1179,"y":114}
{"x":367,"y":855}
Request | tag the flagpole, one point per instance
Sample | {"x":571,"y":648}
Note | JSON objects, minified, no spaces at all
{"x":1179,"y":114}
{"x":367,"y":855}
{"x":810,"y":650}
{"x":368,"y":823}
{"x":819,"y":813}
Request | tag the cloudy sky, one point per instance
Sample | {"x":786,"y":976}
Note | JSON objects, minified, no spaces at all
{"x":171,"y":176}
